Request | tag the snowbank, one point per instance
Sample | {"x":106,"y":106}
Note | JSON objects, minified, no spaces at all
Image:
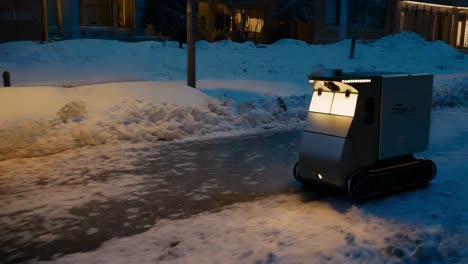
{"x":450,"y":91}
{"x":45,"y":120}
{"x":81,"y":61}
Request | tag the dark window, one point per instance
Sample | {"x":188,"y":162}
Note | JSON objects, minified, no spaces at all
{"x":332,"y":12}
{"x":96,"y":13}
{"x":52,"y":11}
{"x":203,"y":23}
{"x":6,"y":10}
{"x":370,"y":13}
{"x":106,"y":13}
{"x":440,"y":27}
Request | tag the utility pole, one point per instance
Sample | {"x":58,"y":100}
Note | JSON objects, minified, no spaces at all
{"x":192,"y":33}
{"x":343,"y":18}
{"x":59,"y":17}
{"x":45,"y":33}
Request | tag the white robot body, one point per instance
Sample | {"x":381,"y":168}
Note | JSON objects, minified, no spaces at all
{"x":362,"y":130}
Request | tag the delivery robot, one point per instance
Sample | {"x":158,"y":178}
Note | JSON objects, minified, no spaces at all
{"x":362,"y":130}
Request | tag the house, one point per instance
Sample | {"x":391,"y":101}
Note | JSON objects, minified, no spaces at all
{"x":262,"y":21}
{"x":445,"y":20}
{"x":337,"y":19}
{"x":20,"y":20}
{"x":65,"y":19}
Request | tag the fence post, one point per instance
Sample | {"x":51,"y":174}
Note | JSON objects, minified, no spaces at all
{"x":6,"y":79}
{"x":353,"y":41}
{"x":192,"y":32}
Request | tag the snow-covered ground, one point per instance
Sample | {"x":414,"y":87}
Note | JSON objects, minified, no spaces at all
{"x":145,"y":101}
{"x":283,"y":229}
{"x":426,"y":226}
{"x":78,"y":62}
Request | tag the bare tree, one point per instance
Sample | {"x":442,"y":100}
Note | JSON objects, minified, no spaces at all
{"x":268,"y":12}
{"x":238,"y":12}
{"x":166,"y":16}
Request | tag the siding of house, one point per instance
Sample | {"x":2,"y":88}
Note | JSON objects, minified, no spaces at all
{"x":437,"y":22}
{"x":20,"y":20}
{"x":324,"y":33}
{"x":139,"y":10}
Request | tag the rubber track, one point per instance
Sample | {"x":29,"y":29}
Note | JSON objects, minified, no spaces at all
{"x":367,"y":183}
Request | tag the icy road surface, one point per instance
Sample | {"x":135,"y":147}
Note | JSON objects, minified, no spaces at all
{"x":76,"y":200}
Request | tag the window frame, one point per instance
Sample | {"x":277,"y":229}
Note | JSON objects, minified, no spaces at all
{"x":114,"y":19}
{"x":327,"y":12}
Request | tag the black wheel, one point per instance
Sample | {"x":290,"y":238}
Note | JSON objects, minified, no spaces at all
{"x":434,"y":170}
{"x":295,"y":170}
{"x":298,"y":176}
{"x":305,"y":181}
{"x":311,"y":185}
{"x":351,"y":187}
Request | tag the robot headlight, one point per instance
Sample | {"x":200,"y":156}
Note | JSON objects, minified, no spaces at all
{"x":341,"y":100}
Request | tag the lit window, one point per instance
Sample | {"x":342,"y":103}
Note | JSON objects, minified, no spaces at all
{"x":254,"y":24}
{"x":465,"y":45}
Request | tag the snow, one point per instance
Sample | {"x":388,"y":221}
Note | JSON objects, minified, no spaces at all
{"x":83,"y":61}
{"x":84,"y":167}
{"x":42,"y":102}
{"x":46,"y":120}
{"x":427,"y":226}
{"x":283,"y":229}
{"x":58,"y":107}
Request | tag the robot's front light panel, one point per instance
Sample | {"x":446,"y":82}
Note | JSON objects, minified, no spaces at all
{"x":321,"y":103}
{"x":344,"y":105}
{"x":341,"y":101}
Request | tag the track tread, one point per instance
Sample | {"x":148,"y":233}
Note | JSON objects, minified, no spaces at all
{"x":370,"y":182}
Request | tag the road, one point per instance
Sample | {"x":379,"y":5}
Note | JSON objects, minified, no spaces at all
{"x":173,"y":181}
